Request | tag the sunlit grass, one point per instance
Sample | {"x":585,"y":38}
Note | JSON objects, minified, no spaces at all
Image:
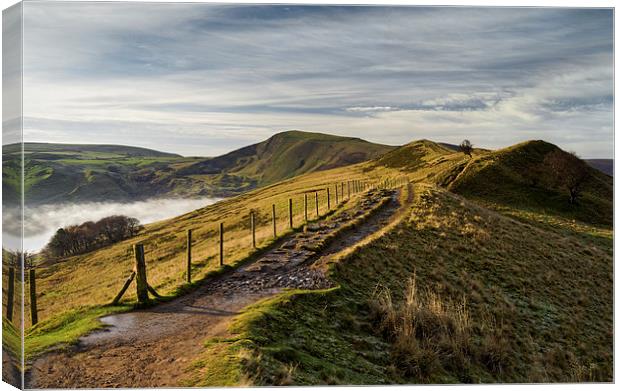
{"x":496,"y":300}
{"x":73,"y":292}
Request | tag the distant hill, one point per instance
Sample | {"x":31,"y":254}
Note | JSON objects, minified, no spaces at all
{"x":414,"y":155}
{"x":84,"y":150}
{"x":75,"y":172}
{"x":452,"y":147}
{"x":289,"y":154}
{"x":604,"y":165}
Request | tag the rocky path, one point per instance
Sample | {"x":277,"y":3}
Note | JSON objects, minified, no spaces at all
{"x":153,"y":347}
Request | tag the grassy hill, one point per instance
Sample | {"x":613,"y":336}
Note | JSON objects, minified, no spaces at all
{"x":415,"y":155}
{"x":506,"y":289}
{"x":289,"y":154}
{"x":73,"y":173}
{"x":76,"y":290}
{"x":512,"y":283}
{"x":66,"y":172}
{"x":83,"y":151}
{"x":495,"y":300}
{"x":516,"y":177}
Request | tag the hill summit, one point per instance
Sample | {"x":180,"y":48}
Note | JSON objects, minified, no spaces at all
{"x":535,"y":174}
{"x":288,"y":154}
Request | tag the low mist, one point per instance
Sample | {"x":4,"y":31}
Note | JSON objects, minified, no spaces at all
{"x":41,"y":222}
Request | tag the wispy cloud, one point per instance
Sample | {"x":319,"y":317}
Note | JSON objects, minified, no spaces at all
{"x":202,"y":79}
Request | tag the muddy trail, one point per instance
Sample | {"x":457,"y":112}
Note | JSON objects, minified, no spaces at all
{"x":154,"y":347}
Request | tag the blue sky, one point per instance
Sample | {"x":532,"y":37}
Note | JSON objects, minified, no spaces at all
{"x":202,"y":79}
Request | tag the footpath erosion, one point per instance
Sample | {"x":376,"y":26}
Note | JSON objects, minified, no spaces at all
{"x":154,"y":347}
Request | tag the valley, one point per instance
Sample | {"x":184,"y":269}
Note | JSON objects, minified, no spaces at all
{"x":65,"y":173}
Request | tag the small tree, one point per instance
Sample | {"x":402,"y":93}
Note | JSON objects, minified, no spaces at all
{"x":567,"y":171}
{"x":466,"y":147}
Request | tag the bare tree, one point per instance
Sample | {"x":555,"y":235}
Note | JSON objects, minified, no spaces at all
{"x":567,"y":171}
{"x":466,"y":147}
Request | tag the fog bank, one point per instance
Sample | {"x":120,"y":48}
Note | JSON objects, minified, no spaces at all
{"x":41,"y":222}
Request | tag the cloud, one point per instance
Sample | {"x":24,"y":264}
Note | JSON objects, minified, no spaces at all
{"x":372,"y":109}
{"x":191,"y":75}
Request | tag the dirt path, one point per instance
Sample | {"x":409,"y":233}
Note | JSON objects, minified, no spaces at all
{"x":153,"y":347}
{"x":11,"y":372}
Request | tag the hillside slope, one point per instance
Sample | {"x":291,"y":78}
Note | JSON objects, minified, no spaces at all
{"x":496,"y":300}
{"x":519,"y":176}
{"x":289,"y":154}
{"x":74,"y":173}
{"x":511,"y":284}
{"x":523,"y":295}
{"x":80,"y":172}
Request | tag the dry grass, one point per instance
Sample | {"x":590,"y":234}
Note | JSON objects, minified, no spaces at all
{"x":494,"y":299}
{"x":501,"y":293}
{"x":76,"y":289}
{"x":431,"y":335}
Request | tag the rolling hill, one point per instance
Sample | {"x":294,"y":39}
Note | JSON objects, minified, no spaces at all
{"x":496,"y":275}
{"x":511,"y":283}
{"x":518,"y":177}
{"x":494,"y":300}
{"x":51,"y":151}
{"x":73,"y":173}
{"x":289,"y":154}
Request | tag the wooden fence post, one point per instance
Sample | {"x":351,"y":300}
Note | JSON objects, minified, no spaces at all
{"x":316,"y":203}
{"x":189,"y":255}
{"x":142,"y":289}
{"x":124,"y":288}
{"x":342,"y":190}
{"x":336,"y":187}
{"x":253,"y":227}
{"x":222,"y":244}
{"x":273,"y":217}
{"x":33,"y":298}
{"x":328,"y":200}
{"x":348,"y":189}
{"x":290,"y":213}
{"x":306,"y":207}
{"x":10,"y":294}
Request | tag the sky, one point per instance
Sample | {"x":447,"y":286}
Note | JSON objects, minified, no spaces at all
{"x":204,"y":79}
